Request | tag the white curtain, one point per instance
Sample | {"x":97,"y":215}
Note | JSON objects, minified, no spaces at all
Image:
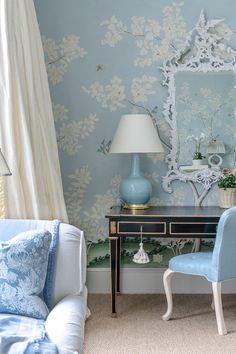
{"x":27,"y":132}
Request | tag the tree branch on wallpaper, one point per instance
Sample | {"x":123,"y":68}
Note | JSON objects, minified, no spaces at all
{"x":154,"y":39}
{"x":56,"y":60}
{"x":149,"y":29}
{"x":59,"y":56}
{"x":110,"y":96}
{"x":69,"y":134}
{"x":104,"y":147}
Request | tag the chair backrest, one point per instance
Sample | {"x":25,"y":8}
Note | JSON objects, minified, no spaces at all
{"x":224,"y":253}
{"x":70,"y":274}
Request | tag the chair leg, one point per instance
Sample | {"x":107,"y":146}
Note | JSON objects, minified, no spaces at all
{"x":216,"y":287}
{"x":167,"y":286}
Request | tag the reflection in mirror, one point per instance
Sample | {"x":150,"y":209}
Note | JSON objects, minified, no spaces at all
{"x":205,"y":106}
{"x":200,"y":108}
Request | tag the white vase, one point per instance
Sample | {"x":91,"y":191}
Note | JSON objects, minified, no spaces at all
{"x":197,"y":162}
{"x":227,"y":197}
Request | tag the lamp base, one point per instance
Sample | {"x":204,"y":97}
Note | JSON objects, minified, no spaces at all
{"x":135,"y":190}
{"x":136,"y":206}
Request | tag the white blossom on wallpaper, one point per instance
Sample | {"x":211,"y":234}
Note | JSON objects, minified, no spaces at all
{"x":59,"y":112}
{"x":154,"y":39}
{"x":115,"y":29}
{"x":70,"y":133}
{"x":79,"y":182}
{"x":142,"y":87}
{"x":59,"y":56}
{"x":110,"y":96}
{"x":92,"y":220}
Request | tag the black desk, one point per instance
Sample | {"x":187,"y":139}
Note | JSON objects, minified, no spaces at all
{"x":164,"y":221}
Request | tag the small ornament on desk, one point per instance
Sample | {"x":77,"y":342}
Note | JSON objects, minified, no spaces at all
{"x":141,"y":256}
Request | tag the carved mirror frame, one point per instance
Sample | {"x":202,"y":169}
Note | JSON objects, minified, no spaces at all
{"x":204,"y":51}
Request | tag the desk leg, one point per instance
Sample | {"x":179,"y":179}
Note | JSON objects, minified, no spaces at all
{"x":113,"y":259}
{"x":118,"y":266}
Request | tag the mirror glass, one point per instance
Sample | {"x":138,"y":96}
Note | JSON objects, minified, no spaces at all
{"x":200,"y":108}
{"x":205,"y":110}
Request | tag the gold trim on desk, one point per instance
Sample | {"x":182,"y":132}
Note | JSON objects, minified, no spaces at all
{"x":141,"y":223}
{"x":192,"y":223}
{"x":113,"y":227}
{"x":164,"y":215}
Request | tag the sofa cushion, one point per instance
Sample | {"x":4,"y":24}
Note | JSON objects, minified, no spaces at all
{"x":23,"y":269}
{"x":70,"y":258}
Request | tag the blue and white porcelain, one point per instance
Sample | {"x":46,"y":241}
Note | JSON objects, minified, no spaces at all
{"x":23,"y":269}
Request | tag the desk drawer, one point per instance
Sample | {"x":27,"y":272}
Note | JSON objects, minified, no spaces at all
{"x":193,"y":228}
{"x":134,"y":227}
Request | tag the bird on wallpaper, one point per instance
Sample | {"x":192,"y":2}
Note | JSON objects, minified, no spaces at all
{"x":99,"y":67}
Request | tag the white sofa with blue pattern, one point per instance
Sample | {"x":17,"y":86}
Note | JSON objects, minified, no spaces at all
{"x":65,"y":323}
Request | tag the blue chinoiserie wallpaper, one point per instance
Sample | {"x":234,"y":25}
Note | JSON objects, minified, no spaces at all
{"x":103,"y":60}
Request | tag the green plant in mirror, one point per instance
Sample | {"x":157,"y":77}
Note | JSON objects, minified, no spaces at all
{"x":198,"y":140}
{"x":198,"y":156}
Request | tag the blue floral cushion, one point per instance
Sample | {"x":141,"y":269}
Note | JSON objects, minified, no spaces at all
{"x":23,"y":269}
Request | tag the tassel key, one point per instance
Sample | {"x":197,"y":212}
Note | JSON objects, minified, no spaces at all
{"x":141,"y":257}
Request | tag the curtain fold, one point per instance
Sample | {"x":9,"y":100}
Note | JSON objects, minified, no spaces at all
{"x":27,"y":132}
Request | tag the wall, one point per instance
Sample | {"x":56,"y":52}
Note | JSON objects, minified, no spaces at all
{"x":103,"y":61}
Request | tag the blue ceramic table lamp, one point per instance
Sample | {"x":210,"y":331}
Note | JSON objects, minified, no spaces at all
{"x":136,"y":134}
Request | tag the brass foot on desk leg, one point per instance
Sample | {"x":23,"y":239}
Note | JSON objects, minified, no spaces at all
{"x":114,"y":315}
{"x":118,"y":293}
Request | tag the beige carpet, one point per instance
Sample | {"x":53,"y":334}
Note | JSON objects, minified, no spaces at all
{"x":140,"y":330}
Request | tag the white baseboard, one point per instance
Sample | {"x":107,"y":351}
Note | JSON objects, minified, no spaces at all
{"x":149,"y":281}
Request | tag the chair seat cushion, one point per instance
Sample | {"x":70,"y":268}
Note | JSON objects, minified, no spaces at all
{"x":199,"y":263}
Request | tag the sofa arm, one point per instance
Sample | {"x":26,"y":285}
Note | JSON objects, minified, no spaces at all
{"x":65,"y":324}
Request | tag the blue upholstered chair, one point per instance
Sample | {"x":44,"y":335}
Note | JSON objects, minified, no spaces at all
{"x":216,"y":266}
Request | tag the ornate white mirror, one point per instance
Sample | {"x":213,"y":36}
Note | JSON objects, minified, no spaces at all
{"x":200,"y":107}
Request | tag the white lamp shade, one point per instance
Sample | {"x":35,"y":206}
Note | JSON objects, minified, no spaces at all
{"x":136,"y":133}
{"x":4,"y":169}
{"x":216,"y":147}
